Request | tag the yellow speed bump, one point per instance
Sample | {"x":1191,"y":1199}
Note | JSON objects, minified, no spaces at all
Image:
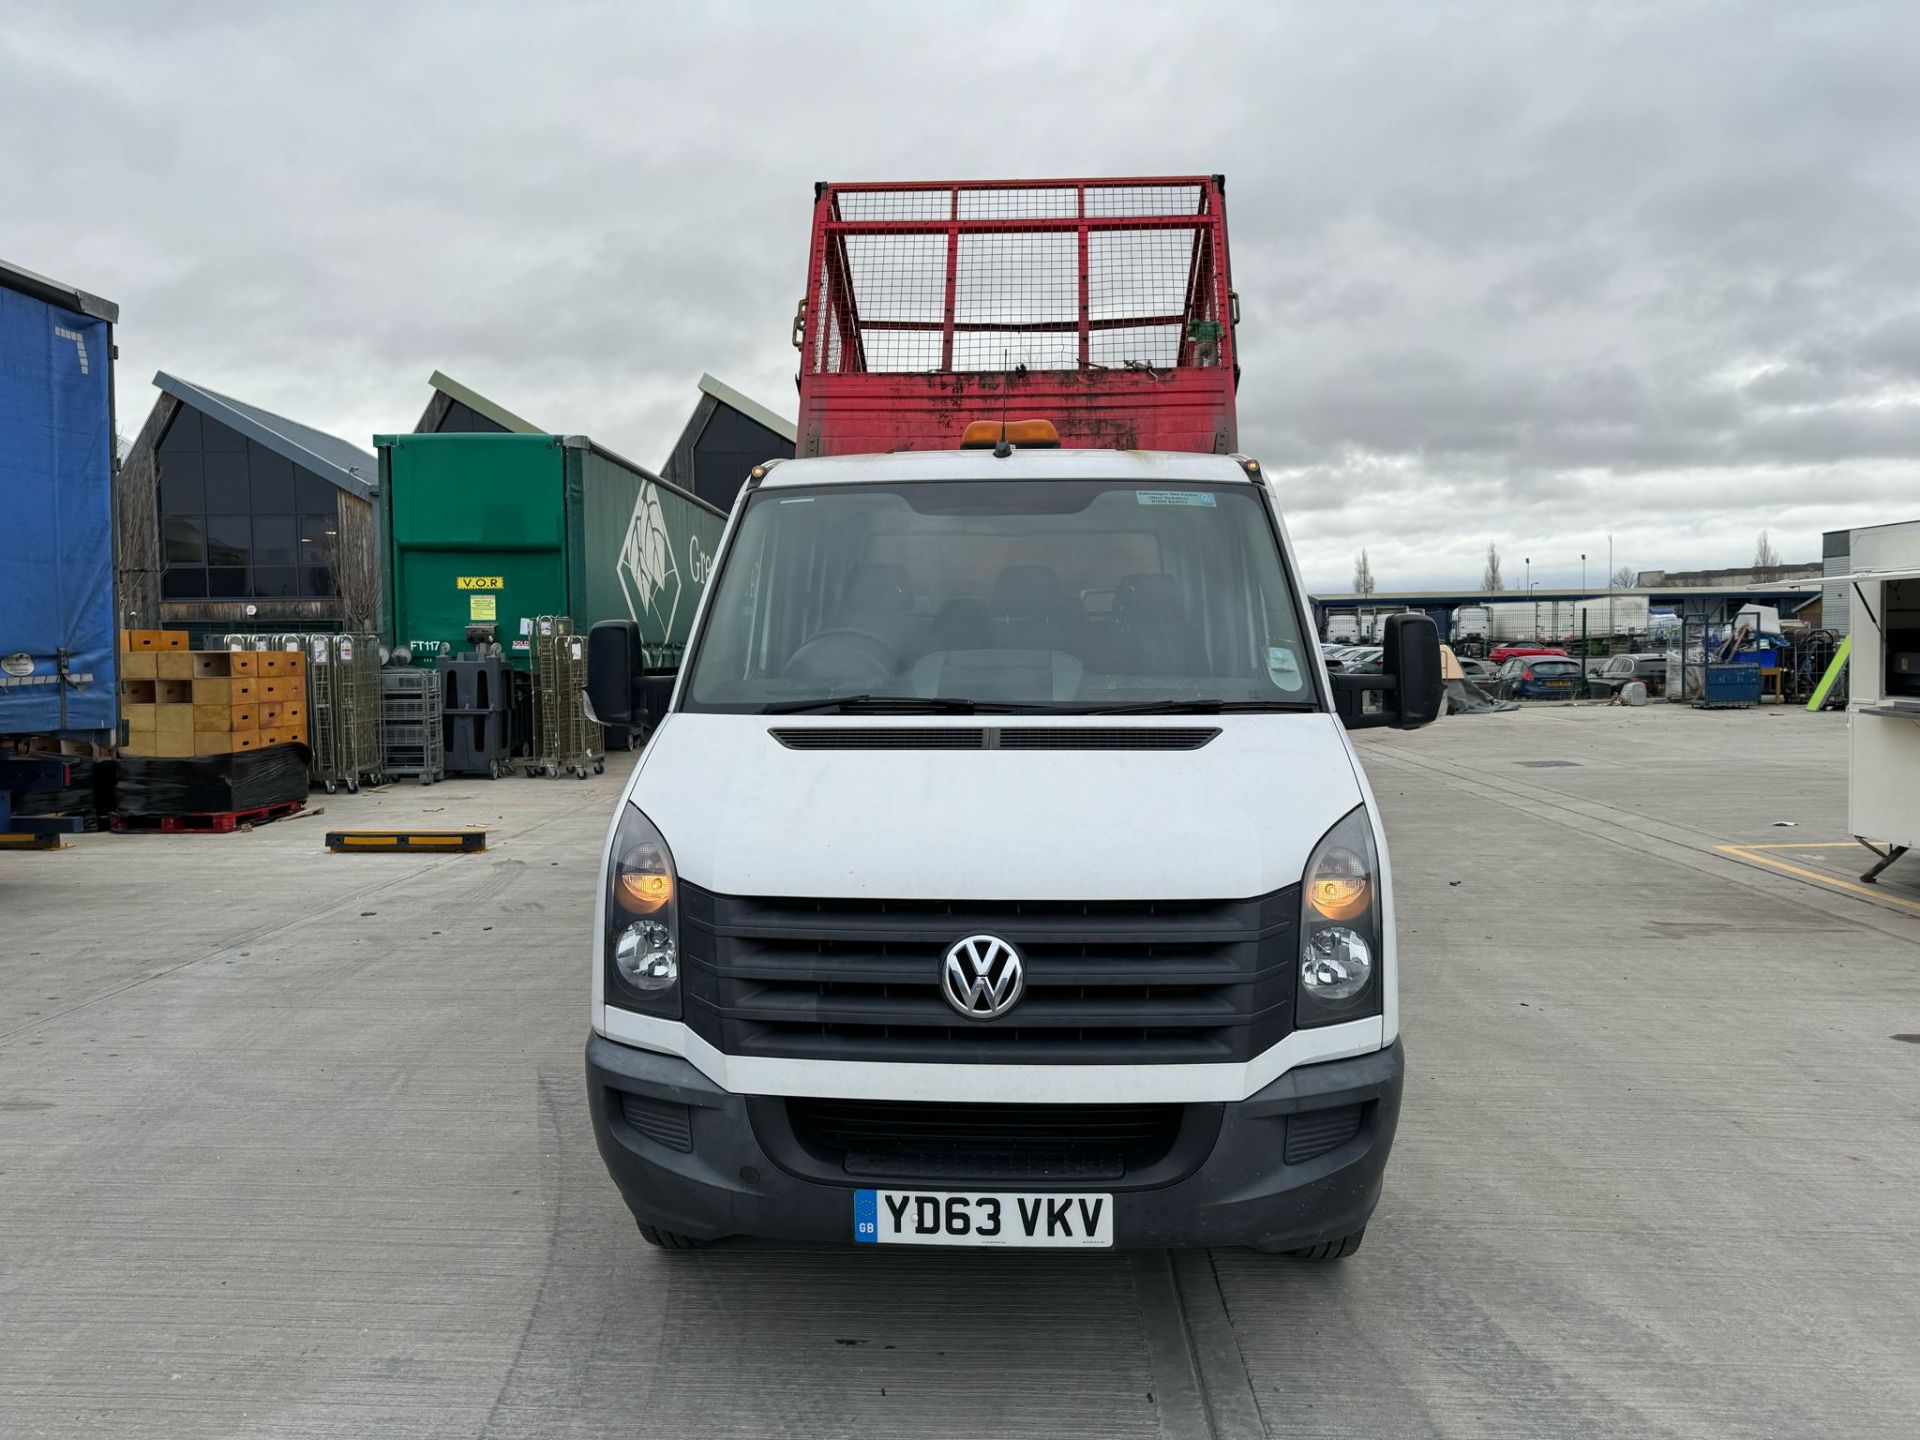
{"x":343,"y":841}
{"x":16,"y":840}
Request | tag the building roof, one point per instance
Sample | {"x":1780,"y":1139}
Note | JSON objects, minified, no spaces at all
{"x":55,"y":293}
{"x":752,"y":409}
{"x":346,"y":465}
{"x":481,"y":405}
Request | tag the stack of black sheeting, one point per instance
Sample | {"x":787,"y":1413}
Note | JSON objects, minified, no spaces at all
{"x":87,"y":793}
{"x":212,"y":784}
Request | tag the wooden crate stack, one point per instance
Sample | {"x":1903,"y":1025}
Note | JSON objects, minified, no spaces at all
{"x":179,"y":702}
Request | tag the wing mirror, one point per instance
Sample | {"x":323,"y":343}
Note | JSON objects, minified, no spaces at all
{"x":1407,"y":691}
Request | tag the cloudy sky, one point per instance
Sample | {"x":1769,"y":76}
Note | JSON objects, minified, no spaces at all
{"x":1508,"y":273}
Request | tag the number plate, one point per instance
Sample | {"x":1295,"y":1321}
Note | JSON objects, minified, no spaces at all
{"x":923,"y":1217}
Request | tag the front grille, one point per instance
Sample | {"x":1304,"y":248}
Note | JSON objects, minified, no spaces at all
{"x":1107,"y":982}
{"x":917,"y":1140}
{"x":1016,"y":737}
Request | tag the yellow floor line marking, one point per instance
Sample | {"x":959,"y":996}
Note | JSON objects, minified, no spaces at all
{"x":1810,"y":845}
{"x":1832,"y":882}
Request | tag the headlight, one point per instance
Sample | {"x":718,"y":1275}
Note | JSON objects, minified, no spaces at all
{"x":643,"y":921}
{"x":1340,"y":925}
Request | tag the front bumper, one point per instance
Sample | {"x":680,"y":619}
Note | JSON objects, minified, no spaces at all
{"x":707,"y":1174}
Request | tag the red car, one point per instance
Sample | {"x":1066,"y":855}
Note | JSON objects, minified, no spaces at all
{"x":1503,"y":653}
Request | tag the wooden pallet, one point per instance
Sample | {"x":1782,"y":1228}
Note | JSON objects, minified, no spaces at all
{"x":219,"y":822}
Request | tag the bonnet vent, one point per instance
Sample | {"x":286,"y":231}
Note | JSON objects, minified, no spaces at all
{"x":973,"y":737}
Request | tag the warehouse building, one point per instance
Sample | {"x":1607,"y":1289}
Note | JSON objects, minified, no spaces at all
{"x":726,"y":437}
{"x":232,"y":518}
{"x":457,"y":410}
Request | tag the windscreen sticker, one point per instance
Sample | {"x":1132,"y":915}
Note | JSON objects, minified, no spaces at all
{"x":1175,"y":497}
{"x":1283,"y":668}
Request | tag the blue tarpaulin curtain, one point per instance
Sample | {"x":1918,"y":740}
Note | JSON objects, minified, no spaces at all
{"x":56,"y":519}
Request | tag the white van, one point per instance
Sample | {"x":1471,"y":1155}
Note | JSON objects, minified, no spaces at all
{"x":1002,"y":874}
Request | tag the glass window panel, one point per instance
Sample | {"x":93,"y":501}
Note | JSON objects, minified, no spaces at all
{"x":228,"y":583}
{"x":229,"y":539}
{"x":186,"y":540}
{"x":275,"y":580}
{"x":318,"y":542}
{"x":317,"y":580}
{"x":272,"y":481}
{"x":183,"y":433}
{"x":184,"y":584}
{"x":314,"y":493}
{"x":227,"y":483}
{"x":182,"y":490}
{"x":215,"y":436}
{"x":273,"y":540}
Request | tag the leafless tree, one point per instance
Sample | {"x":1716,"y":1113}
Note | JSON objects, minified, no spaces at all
{"x":1624,"y":577}
{"x":1765,"y":557}
{"x":1362,"y":575}
{"x":1490,"y":577}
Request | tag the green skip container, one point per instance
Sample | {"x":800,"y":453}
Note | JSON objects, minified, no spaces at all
{"x":496,"y":529}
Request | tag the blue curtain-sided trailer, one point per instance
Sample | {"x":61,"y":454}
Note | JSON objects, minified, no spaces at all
{"x":59,"y":673}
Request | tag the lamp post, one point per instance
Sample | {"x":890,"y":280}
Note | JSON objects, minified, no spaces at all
{"x":1528,"y":562}
{"x":1609,"y":584}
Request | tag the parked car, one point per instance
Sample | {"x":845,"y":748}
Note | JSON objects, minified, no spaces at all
{"x":1606,"y":678}
{"x":1503,"y":653}
{"x":1540,"y":677}
{"x":1480,"y":672}
{"x":1362,"y":660}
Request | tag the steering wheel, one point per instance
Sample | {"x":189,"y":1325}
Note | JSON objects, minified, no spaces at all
{"x":842,"y":655}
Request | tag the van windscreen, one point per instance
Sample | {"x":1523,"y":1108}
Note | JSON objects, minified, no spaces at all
{"x":1061,"y":595}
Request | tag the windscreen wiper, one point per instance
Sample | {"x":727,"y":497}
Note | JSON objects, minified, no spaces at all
{"x":878,"y":704}
{"x":899,"y":705}
{"x":1200,"y":707}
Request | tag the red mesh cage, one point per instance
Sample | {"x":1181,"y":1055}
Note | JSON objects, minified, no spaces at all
{"x":1105,"y":306}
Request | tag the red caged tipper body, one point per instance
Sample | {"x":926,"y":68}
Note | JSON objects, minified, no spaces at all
{"x":1104,"y":306}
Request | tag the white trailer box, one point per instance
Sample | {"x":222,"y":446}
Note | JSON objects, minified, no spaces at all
{"x":1606,"y":615}
{"x":1469,"y":623}
{"x":1883,"y":706}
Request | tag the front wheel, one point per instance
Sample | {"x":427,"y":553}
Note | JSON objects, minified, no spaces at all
{"x":671,"y":1240}
{"x":1331,"y":1249}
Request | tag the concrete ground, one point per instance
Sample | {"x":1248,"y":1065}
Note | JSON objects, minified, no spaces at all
{"x":294,"y":1144}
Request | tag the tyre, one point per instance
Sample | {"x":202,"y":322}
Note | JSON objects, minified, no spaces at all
{"x":599,"y":767}
{"x":1331,"y":1249}
{"x":331,"y":787}
{"x":671,"y":1240}
{"x":580,"y":772}
{"x":353,"y":786}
